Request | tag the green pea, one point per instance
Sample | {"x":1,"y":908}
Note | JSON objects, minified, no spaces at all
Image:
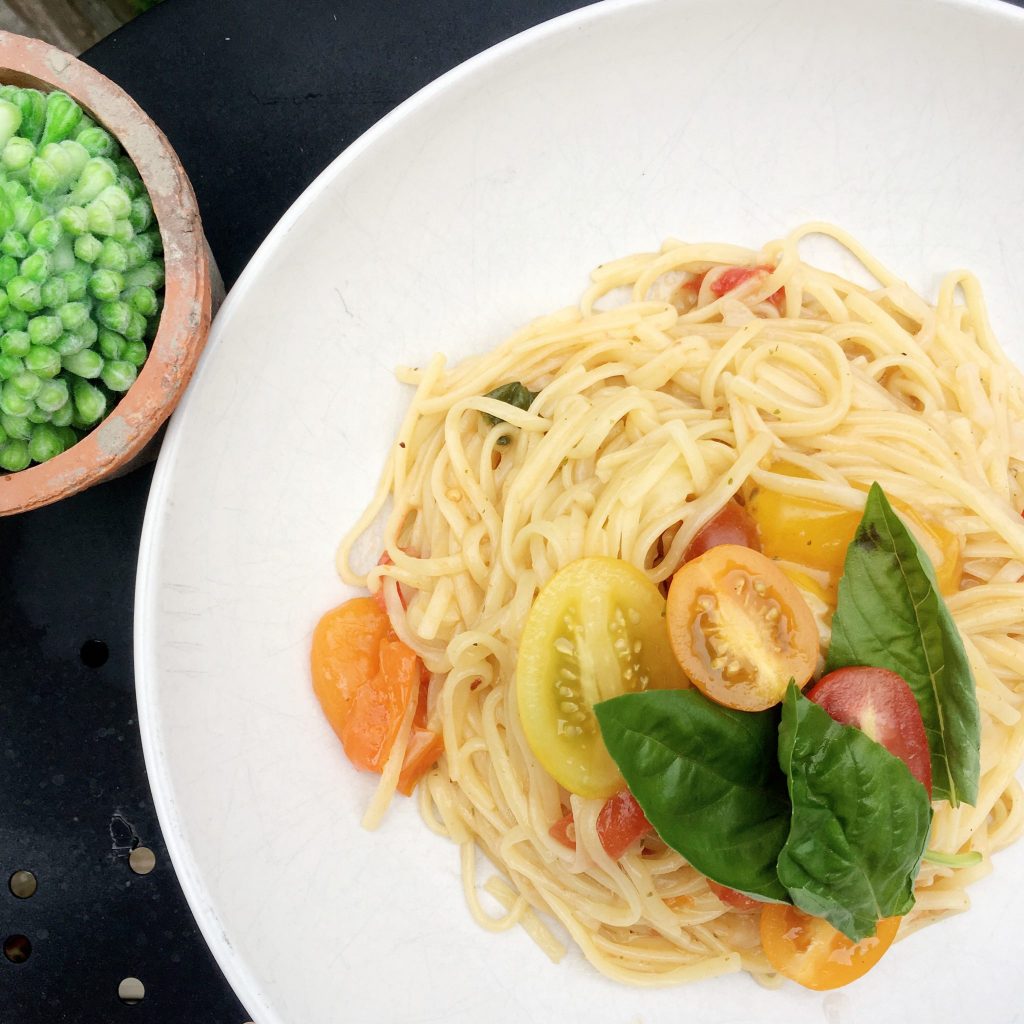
{"x":90,"y":402}
{"x":14,"y":243}
{"x":44,"y":330}
{"x":97,"y":141}
{"x":10,"y":121}
{"x":61,"y":118}
{"x":70,"y":316}
{"x":25,"y":294}
{"x":131,"y":185}
{"x":135,"y":352}
{"x":141,"y":214}
{"x":141,"y":299}
{"x":64,"y":161}
{"x":67,"y":434}
{"x":89,"y":330}
{"x":115,"y":316}
{"x":151,"y":274}
{"x":44,"y":178}
{"x":100,"y":217}
{"x":106,"y":285}
{"x":111,"y":345}
{"x":26,"y":383}
{"x":63,"y":416}
{"x":138,"y":250}
{"x":136,"y":329}
{"x":96,"y":175}
{"x":69,"y":343}
{"x":76,"y":155}
{"x":10,"y":366}
{"x":77,"y":282}
{"x":116,"y":200}
{"x":87,"y":248}
{"x":112,"y":256}
{"x":14,"y":456}
{"x":15,"y":343}
{"x":38,"y":415}
{"x":88,"y":363}
{"x":45,"y":234}
{"x":33,"y":112}
{"x":16,"y":426}
{"x":73,"y":220}
{"x":27,"y":213}
{"x":6,"y":212}
{"x":13,"y":402}
{"x":52,"y":395}
{"x":3,"y":436}
{"x":43,"y":361}
{"x":123,"y":231}
{"x":17,"y":154}
{"x":127,"y":168}
{"x":8,"y":269}
{"x":119,"y":374}
{"x":45,"y":443}
{"x":15,"y":320}
{"x":5,"y":303}
{"x":14,"y":190}
{"x":37,"y":266}
{"x":158,"y":242}
{"x":54,"y":292}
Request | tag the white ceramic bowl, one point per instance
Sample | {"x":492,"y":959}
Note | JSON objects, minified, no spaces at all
{"x":481,"y":202}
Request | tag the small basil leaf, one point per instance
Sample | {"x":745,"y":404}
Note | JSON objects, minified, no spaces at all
{"x":860,"y":821}
{"x":890,"y":615}
{"x":511,"y":394}
{"x":707,"y":777}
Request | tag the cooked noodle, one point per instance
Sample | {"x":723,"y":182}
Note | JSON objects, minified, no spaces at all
{"x":652,"y":413}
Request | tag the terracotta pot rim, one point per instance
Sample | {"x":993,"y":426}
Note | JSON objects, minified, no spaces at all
{"x":185,"y":318}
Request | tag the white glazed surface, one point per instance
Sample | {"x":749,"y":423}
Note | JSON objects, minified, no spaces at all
{"x":480,"y":203}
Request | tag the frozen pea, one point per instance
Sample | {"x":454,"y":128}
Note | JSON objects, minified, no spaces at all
{"x":54,"y":292}
{"x":111,"y":345}
{"x":132,"y":186}
{"x":12,"y":401}
{"x":5,"y":303}
{"x":67,"y":434}
{"x":112,"y":256}
{"x":138,"y":250}
{"x":136,"y":329}
{"x":61,"y":117}
{"x":106,"y":285}
{"x":26,"y":383}
{"x":141,"y":214}
{"x":116,"y":200}
{"x":96,"y":175}
{"x":88,"y":247}
{"x":88,"y":363}
{"x":14,"y":456}
{"x":6,"y":212}
{"x":10,"y":120}
{"x":77,"y":282}
{"x":37,"y":415}
{"x":100,"y":218}
{"x":45,"y":443}
{"x":37,"y":266}
{"x":43,"y":177}
{"x":8,"y":269}
{"x":33,"y":112}
{"x":69,"y":343}
{"x":64,"y":254}
{"x":15,"y":320}
{"x":43,"y":362}
{"x":135,"y":352}
{"x":3,"y":436}
{"x":76,"y":155}
{"x":141,"y":299}
{"x":89,"y":330}
{"x":73,"y":220}
{"x":123,"y":231}
{"x":158,"y":242}
{"x":14,"y":190}
{"x":151,"y":274}
{"x":52,"y":395}
{"x":119,"y":374}
{"x":115,"y":316}
{"x":71,"y":316}
{"x":14,"y":243}
{"x":96,"y":141}
{"x":127,"y":168}
{"x":45,"y":234}
{"x":15,"y":343}
{"x":10,"y":366}
{"x":90,"y":403}
{"x":62,"y":417}
{"x":16,"y":426}
{"x":27,"y":213}
{"x":25,"y":294}
{"x":44,"y":330}
{"x":17,"y":154}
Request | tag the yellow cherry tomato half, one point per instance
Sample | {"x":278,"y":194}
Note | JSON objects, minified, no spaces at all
{"x":595,"y":631}
{"x":810,"y":951}
{"x":817,"y":533}
{"x":740,"y":628}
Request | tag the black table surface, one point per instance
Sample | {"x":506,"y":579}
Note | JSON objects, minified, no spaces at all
{"x":257,"y":97}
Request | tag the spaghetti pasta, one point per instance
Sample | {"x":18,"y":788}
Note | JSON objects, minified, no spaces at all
{"x":668,"y":390}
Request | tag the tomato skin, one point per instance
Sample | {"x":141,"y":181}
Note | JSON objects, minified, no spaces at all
{"x":730,"y":525}
{"x":424,"y":748}
{"x":620,"y":822}
{"x":731,"y":898}
{"x":740,"y":628}
{"x":881,"y":704}
{"x":596,"y":630}
{"x":732,"y":278}
{"x":813,"y":953}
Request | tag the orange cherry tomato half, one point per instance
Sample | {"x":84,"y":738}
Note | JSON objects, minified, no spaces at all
{"x":881,"y":704}
{"x":731,"y":524}
{"x":731,"y":898}
{"x":813,"y":953}
{"x":740,"y":628}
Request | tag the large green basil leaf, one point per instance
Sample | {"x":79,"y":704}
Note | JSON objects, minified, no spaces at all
{"x":890,"y":615}
{"x":708,"y":779}
{"x":860,"y":821}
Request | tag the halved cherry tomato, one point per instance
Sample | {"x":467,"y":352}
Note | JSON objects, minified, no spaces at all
{"x":810,"y":951}
{"x":734,"y":899}
{"x":620,"y":822}
{"x":881,"y":704}
{"x":595,"y":631}
{"x":364,"y":678}
{"x":817,"y":533}
{"x":729,"y":525}
{"x":732,"y":278}
{"x":740,"y":628}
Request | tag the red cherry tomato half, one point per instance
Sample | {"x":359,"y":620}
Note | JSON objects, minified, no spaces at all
{"x":732,"y":898}
{"x":881,"y":704}
{"x":731,"y":524}
{"x":620,"y":823}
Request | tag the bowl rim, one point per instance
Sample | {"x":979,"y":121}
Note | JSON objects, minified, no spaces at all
{"x":185,"y":318}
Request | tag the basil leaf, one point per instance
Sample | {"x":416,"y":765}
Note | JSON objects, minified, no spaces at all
{"x":860,"y":821}
{"x":890,"y":615}
{"x":707,"y":777}
{"x":515,"y":394}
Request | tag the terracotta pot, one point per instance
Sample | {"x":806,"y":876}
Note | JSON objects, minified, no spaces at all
{"x":119,"y":440}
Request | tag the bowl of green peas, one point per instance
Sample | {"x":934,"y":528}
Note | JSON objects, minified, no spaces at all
{"x":106,"y":282}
